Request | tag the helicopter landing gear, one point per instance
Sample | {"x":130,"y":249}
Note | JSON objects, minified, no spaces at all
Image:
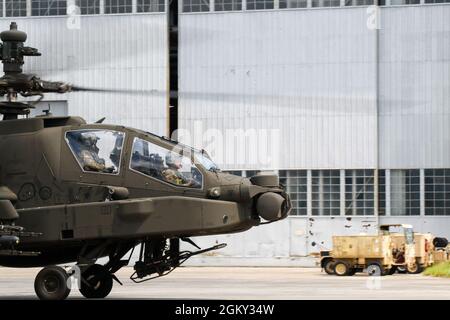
{"x":158,"y":259}
{"x":51,"y":283}
{"x":96,"y":282}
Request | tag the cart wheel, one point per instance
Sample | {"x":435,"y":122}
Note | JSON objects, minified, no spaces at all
{"x":329,"y":267}
{"x":341,"y":268}
{"x":374,"y":270}
{"x":415,"y":268}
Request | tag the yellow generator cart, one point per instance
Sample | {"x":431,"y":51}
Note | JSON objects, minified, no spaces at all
{"x":373,"y":253}
{"x":351,"y":254}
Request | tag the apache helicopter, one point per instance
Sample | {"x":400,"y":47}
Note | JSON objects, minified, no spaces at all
{"x":73,"y":192}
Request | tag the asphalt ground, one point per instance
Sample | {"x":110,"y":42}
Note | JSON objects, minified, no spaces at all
{"x":232,"y":283}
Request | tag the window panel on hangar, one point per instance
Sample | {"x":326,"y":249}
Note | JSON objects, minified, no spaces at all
{"x":15,"y":8}
{"x":260,"y":4}
{"x":350,"y":3}
{"x":291,"y":4}
{"x":150,"y":6}
{"x":325,"y":192}
{"x":118,"y":6}
{"x":437,"y":1}
{"x":296,"y":183}
{"x":228,"y":5}
{"x":196,"y":5}
{"x":359,"y":192}
{"x":405,"y":192}
{"x":325,"y":3}
{"x":48,"y":7}
{"x":88,"y":6}
{"x":437,"y":192}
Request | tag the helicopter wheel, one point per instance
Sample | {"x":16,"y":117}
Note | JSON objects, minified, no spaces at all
{"x":96,"y":282}
{"x":51,"y":284}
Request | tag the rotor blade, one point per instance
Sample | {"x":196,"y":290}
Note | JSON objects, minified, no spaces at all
{"x":118,"y":91}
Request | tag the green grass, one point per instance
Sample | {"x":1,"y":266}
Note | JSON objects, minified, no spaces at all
{"x":438,"y":270}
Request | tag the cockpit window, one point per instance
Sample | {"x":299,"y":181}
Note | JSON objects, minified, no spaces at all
{"x":165,"y":165}
{"x":205,"y":161}
{"x":97,"y":150}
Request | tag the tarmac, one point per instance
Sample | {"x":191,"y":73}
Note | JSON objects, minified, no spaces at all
{"x":264,"y":283}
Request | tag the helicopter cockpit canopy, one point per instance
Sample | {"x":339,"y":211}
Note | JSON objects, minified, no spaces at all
{"x":97,"y":150}
{"x":170,"y":166}
{"x":203,"y":158}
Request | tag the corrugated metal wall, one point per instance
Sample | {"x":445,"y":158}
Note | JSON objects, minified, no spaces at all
{"x":415,"y":87}
{"x":118,"y":51}
{"x":313,"y":74}
{"x":309,"y":73}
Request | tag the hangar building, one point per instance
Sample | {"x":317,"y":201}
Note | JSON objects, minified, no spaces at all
{"x":354,"y":96}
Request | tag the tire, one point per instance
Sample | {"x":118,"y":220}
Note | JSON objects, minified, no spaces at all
{"x":329,"y":267}
{"x":392,"y":270}
{"x":352,"y":272}
{"x":440,"y":242}
{"x":51,"y":284}
{"x":374,"y":270}
{"x":414,"y":269}
{"x":96,"y":283}
{"x":401,"y":269}
{"x":341,"y":268}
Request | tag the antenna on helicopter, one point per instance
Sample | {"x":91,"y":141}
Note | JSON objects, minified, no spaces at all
{"x":47,"y":112}
{"x":100,"y":120}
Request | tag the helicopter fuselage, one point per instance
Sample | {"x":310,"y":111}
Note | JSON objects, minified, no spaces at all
{"x":79,"y":184}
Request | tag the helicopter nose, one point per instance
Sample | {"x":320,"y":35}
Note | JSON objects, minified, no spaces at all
{"x":271,"y":206}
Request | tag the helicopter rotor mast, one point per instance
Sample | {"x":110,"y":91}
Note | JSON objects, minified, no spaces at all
{"x":15,"y":82}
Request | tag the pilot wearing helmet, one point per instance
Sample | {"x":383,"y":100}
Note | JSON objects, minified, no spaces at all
{"x":89,"y":154}
{"x":172,"y":173}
